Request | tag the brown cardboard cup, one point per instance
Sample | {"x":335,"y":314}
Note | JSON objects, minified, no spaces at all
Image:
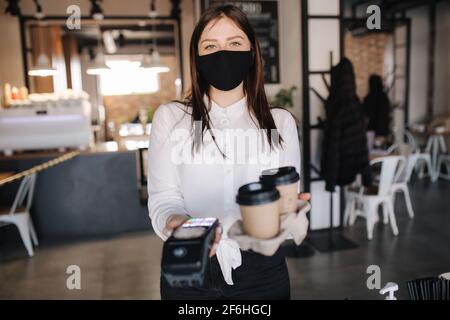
{"x":261,"y":221}
{"x":289,"y":197}
{"x":285,"y":179}
{"x":259,"y":205}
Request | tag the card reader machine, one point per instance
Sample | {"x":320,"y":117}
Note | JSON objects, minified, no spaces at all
{"x":185,"y":252}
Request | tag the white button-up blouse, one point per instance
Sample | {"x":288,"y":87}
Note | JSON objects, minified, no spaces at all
{"x":201,"y":182}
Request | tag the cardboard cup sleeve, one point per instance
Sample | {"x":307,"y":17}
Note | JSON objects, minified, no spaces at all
{"x":293,"y":224}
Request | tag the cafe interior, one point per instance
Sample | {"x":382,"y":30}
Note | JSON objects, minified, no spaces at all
{"x":80,"y":83}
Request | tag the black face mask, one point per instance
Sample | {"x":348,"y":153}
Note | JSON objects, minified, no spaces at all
{"x":225,"y":70}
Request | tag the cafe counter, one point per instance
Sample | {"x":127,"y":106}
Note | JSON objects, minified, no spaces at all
{"x":95,"y":194}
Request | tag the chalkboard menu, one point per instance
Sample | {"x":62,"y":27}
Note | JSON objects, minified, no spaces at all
{"x":263,"y":16}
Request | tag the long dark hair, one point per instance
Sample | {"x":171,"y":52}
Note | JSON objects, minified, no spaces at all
{"x":257,"y":102}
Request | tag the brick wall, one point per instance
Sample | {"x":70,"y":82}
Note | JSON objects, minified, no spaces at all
{"x":367,"y":54}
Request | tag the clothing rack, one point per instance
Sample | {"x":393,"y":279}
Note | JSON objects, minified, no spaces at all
{"x":331,"y":240}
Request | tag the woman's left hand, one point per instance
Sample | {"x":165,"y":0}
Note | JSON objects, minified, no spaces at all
{"x":304,"y":196}
{"x":216,"y":240}
{"x":212,"y":252}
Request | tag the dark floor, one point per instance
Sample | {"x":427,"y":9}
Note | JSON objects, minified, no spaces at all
{"x":128,"y":267}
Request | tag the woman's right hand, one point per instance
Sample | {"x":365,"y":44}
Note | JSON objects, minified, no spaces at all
{"x":177,"y":220}
{"x":174,"y":222}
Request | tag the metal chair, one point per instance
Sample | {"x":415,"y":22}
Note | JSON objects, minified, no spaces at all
{"x":19,"y":213}
{"x":400,"y":184}
{"x":444,"y":159}
{"x":418,"y":159}
{"x":372,"y":198}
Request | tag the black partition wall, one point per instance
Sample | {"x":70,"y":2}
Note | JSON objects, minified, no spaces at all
{"x":308,"y":71}
{"x":322,"y":47}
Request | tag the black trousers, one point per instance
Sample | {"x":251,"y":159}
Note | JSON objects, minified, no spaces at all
{"x":258,"y":278}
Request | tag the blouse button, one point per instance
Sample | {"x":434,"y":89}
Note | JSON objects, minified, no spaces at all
{"x":224,"y":122}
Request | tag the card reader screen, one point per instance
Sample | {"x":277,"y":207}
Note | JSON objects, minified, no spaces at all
{"x":198,"y":222}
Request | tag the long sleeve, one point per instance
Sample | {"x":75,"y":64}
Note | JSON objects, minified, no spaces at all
{"x":291,"y":146}
{"x":164,"y":195}
{"x":289,"y":155}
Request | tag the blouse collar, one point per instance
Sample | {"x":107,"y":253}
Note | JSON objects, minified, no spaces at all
{"x":232,"y":110}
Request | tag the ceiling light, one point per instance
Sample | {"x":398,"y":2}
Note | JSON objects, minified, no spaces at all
{"x":42,"y":67}
{"x":39,"y":13}
{"x":98,"y":66}
{"x":154,"y":63}
{"x":152,"y":13}
{"x":96,"y":10}
{"x":13,"y":8}
{"x":122,"y":64}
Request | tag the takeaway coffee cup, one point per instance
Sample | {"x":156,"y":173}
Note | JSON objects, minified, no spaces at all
{"x":285,"y":179}
{"x":259,"y":206}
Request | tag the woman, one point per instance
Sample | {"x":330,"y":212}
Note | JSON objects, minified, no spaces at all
{"x":203,"y":149}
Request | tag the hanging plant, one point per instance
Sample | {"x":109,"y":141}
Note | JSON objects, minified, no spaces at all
{"x":284,"y":98}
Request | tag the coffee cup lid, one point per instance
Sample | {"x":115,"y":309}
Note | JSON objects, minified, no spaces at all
{"x":279,"y":176}
{"x":256,"y":193}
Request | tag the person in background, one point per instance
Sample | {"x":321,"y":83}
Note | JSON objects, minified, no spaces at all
{"x":377,"y":107}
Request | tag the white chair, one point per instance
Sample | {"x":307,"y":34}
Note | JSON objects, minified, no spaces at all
{"x":351,"y":192}
{"x":400,"y":184}
{"x":351,"y":196}
{"x":418,"y":159}
{"x":372,"y":198}
{"x":19,"y":213}
{"x":444,"y":159}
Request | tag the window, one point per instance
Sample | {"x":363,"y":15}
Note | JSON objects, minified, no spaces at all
{"x":125,"y":77}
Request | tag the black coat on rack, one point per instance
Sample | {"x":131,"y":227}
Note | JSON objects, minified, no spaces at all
{"x":344,"y":152}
